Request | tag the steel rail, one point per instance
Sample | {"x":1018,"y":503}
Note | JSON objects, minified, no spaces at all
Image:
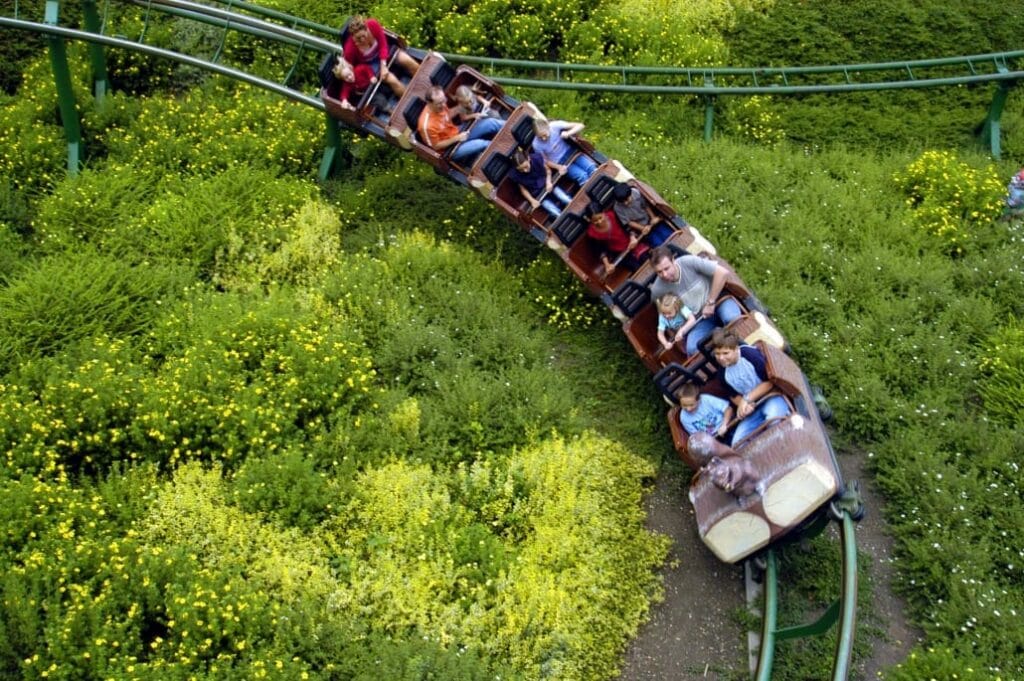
{"x":77,"y":34}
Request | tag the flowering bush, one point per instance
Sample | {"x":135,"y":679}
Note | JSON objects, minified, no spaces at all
{"x":753,"y":119}
{"x":216,"y":128}
{"x":216,"y":383}
{"x":951,"y":198}
{"x":558,"y":296}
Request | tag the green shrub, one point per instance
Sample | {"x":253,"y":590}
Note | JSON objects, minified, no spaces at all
{"x":751,"y":119}
{"x":558,"y":296}
{"x":940,"y":663}
{"x":35,"y":149}
{"x":550,"y":573}
{"x":1002,"y":364}
{"x":241,"y":228}
{"x":14,"y":208}
{"x":647,"y":34}
{"x":67,"y":298}
{"x":287,"y":486}
{"x":309,"y":247}
{"x":216,"y":128}
{"x":444,"y":329}
{"x":95,"y":207}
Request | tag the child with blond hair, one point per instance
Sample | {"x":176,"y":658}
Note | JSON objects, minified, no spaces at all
{"x":674,"y":320}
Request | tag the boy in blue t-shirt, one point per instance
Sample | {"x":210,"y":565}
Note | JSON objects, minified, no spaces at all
{"x":703,"y":413}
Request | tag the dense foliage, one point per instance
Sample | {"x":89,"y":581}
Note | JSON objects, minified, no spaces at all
{"x":252,"y":428}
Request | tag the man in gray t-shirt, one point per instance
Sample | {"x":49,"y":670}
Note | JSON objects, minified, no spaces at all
{"x":698,"y":282}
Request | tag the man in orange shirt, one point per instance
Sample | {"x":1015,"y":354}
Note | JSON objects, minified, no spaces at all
{"x":436,"y":130}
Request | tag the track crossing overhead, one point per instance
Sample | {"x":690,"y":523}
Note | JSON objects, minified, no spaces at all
{"x":1004,"y":69}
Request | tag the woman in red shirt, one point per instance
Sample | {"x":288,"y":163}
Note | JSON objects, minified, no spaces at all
{"x":618,"y":247}
{"x":367,"y":44}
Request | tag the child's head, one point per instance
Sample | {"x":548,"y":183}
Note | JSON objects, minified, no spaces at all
{"x":669,"y":305}
{"x":464,"y":96}
{"x":725,"y":346}
{"x":343,"y":70}
{"x":689,"y":396}
{"x":522,"y":160}
{"x":542,"y":129}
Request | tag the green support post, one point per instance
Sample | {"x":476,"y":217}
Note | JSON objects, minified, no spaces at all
{"x":770,"y":615}
{"x":990,"y":129}
{"x":332,"y":150}
{"x":65,"y":94}
{"x":709,"y":117}
{"x":96,"y":54}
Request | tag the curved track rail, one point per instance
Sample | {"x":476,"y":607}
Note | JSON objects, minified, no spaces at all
{"x":802,"y":435}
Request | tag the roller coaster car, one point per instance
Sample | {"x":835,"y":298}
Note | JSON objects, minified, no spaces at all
{"x":401,"y":127}
{"x":580,"y":253}
{"x":792,"y":457}
{"x":642,"y":332}
{"x":492,"y":93}
{"x":370,"y":113}
{"x":489,"y":176}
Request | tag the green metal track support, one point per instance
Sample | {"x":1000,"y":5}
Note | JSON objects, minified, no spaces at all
{"x":842,"y":610}
{"x":990,"y":129}
{"x":332,"y":150}
{"x":65,"y":94}
{"x":96,"y":54}
{"x":709,"y":117}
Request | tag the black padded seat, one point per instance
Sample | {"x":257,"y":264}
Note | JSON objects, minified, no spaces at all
{"x":443,"y":75}
{"x":673,"y":377}
{"x":569,"y":227}
{"x":496,"y":168}
{"x":412,"y":113}
{"x":523,"y":133}
{"x":600,"y":190}
{"x":631,"y":297}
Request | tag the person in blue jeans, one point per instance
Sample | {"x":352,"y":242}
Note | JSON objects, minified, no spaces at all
{"x":698,"y":282}
{"x":745,"y":375}
{"x":550,"y":141}
{"x":437,"y":130}
{"x":534,"y":180}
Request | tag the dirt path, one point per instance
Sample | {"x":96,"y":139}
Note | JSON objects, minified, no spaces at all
{"x":694,"y":634}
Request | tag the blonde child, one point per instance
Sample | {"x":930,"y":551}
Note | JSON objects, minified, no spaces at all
{"x":674,"y":320}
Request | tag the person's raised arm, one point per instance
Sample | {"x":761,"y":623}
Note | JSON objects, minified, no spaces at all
{"x":572,"y":129}
{"x":717,"y":284}
{"x":377,"y":31}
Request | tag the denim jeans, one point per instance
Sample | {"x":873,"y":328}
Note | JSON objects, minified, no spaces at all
{"x":479,"y":137}
{"x":772,"y":408}
{"x":552,"y":206}
{"x":726,"y":311}
{"x":580,"y":169}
